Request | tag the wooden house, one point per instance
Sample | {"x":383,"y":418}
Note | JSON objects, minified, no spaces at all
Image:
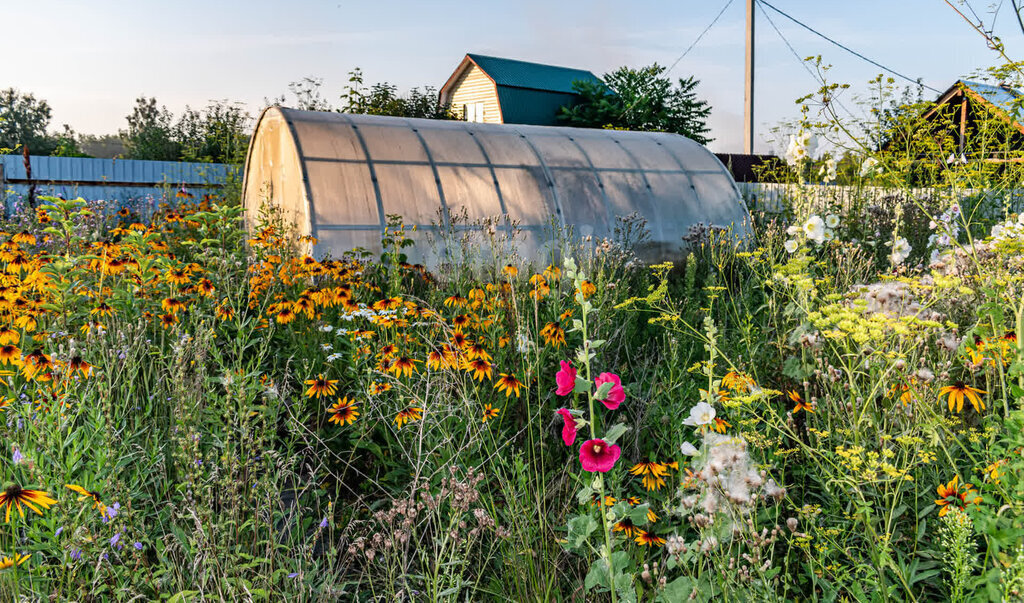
{"x":973,"y":107}
{"x":496,"y":90}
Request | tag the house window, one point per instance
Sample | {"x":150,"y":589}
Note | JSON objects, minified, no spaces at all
{"x":473,"y":111}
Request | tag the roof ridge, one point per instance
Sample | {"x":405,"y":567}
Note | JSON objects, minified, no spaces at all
{"x":506,"y":59}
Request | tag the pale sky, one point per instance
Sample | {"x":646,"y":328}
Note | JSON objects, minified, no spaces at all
{"x":91,"y":59}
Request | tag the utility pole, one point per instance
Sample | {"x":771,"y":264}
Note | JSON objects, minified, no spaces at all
{"x":748,"y":90}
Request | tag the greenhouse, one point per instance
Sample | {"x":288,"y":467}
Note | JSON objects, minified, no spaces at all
{"x":337,"y":177}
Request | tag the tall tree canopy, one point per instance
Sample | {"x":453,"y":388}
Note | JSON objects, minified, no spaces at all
{"x":23,"y":123}
{"x":640,"y":99}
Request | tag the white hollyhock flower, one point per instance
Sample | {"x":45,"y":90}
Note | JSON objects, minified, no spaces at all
{"x":869,"y":167}
{"x":832,"y":220}
{"x":701,"y":414}
{"x":828,"y":171}
{"x":900,"y":250}
{"x":814,"y":228}
{"x":791,"y":246}
{"x":688,"y":449}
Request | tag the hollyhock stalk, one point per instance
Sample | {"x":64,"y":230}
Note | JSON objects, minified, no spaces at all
{"x":593,"y":435}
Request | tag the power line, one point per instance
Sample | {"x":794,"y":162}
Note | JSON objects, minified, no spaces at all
{"x":799,"y":58}
{"x":848,"y":49}
{"x":695,"y":42}
{"x":685,"y":52}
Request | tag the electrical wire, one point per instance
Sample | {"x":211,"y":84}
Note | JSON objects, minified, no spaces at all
{"x":685,"y":52}
{"x":697,"y":41}
{"x":848,"y":49}
{"x":799,"y":58}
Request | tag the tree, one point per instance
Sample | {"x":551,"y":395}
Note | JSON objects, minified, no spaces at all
{"x":68,"y":144}
{"x":150,"y":133}
{"x":640,"y":99}
{"x":23,"y":123}
{"x":384,"y":99}
{"x":218,"y":134}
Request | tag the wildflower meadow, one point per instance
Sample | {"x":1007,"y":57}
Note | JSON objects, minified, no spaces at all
{"x":828,"y":410}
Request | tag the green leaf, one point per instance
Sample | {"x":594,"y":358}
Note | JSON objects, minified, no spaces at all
{"x":677,"y":590}
{"x":638,"y":514}
{"x":598,"y":574}
{"x":582,"y":385}
{"x":602,"y":392}
{"x":615,"y":432}
{"x":580,"y":528}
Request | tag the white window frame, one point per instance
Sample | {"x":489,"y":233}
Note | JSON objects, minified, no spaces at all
{"x":473,"y":112}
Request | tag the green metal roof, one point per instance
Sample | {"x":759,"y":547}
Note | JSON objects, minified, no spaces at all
{"x":521,"y":74}
{"x":1003,"y":97}
{"x":535,"y":107}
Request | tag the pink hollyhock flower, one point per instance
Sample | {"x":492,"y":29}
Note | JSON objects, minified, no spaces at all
{"x":569,"y":428}
{"x":598,"y":456}
{"x":566,"y":379}
{"x":617,"y":395}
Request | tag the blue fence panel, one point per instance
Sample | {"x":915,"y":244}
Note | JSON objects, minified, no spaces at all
{"x":116,"y":181}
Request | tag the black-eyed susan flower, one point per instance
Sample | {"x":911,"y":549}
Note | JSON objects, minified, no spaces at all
{"x":647,"y":539}
{"x":24,"y":238}
{"x":15,"y":496}
{"x":587,"y":288}
{"x":9,"y":562}
{"x":344,"y":412}
{"x":408,"y":415}
{"x":9,"y":336}
{"x":285,"y":315}
{"x":800,"y":404}
{"x":627,"y":527}
{"x":78,"y":364}
{"x":460,"y":340}
{"x":553,"y":334}
{"x":738,"y":382}
{"x":609,"y":501}
{"x":168,"y":320}
{"x":37,"y":366}
{"x":102,"y":310}
{"x":84,"y":494}
{"x":477,"y":350}
{"x":720,"y":425}
{"x":653,"y":474}
{"x":404,"y":366}
{"x":224,"y":312}
{"x":490,"y":413}
{"x":455,"y":301}
{"x":10,"y":354}
{"x":389,"y":303}
{"x":177,"y":276}
{"x":952,"y":494}
{"x":479,"y":367}
{"x":510,"y":271}
{"x":378,"y":387}
{"x":320,"y":387}
{"x":206,"y":288}
{"x":509,"y":384}
{"x":957,"y":392}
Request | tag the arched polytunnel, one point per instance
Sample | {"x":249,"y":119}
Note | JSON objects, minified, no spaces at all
{"x":337,"y":177}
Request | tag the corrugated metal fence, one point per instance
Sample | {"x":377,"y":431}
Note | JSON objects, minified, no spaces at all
{"x":778,"y":198}
{"x":125,"y":181}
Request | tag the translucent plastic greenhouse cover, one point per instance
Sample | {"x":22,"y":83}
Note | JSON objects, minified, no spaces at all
{"x":337,"y":177}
